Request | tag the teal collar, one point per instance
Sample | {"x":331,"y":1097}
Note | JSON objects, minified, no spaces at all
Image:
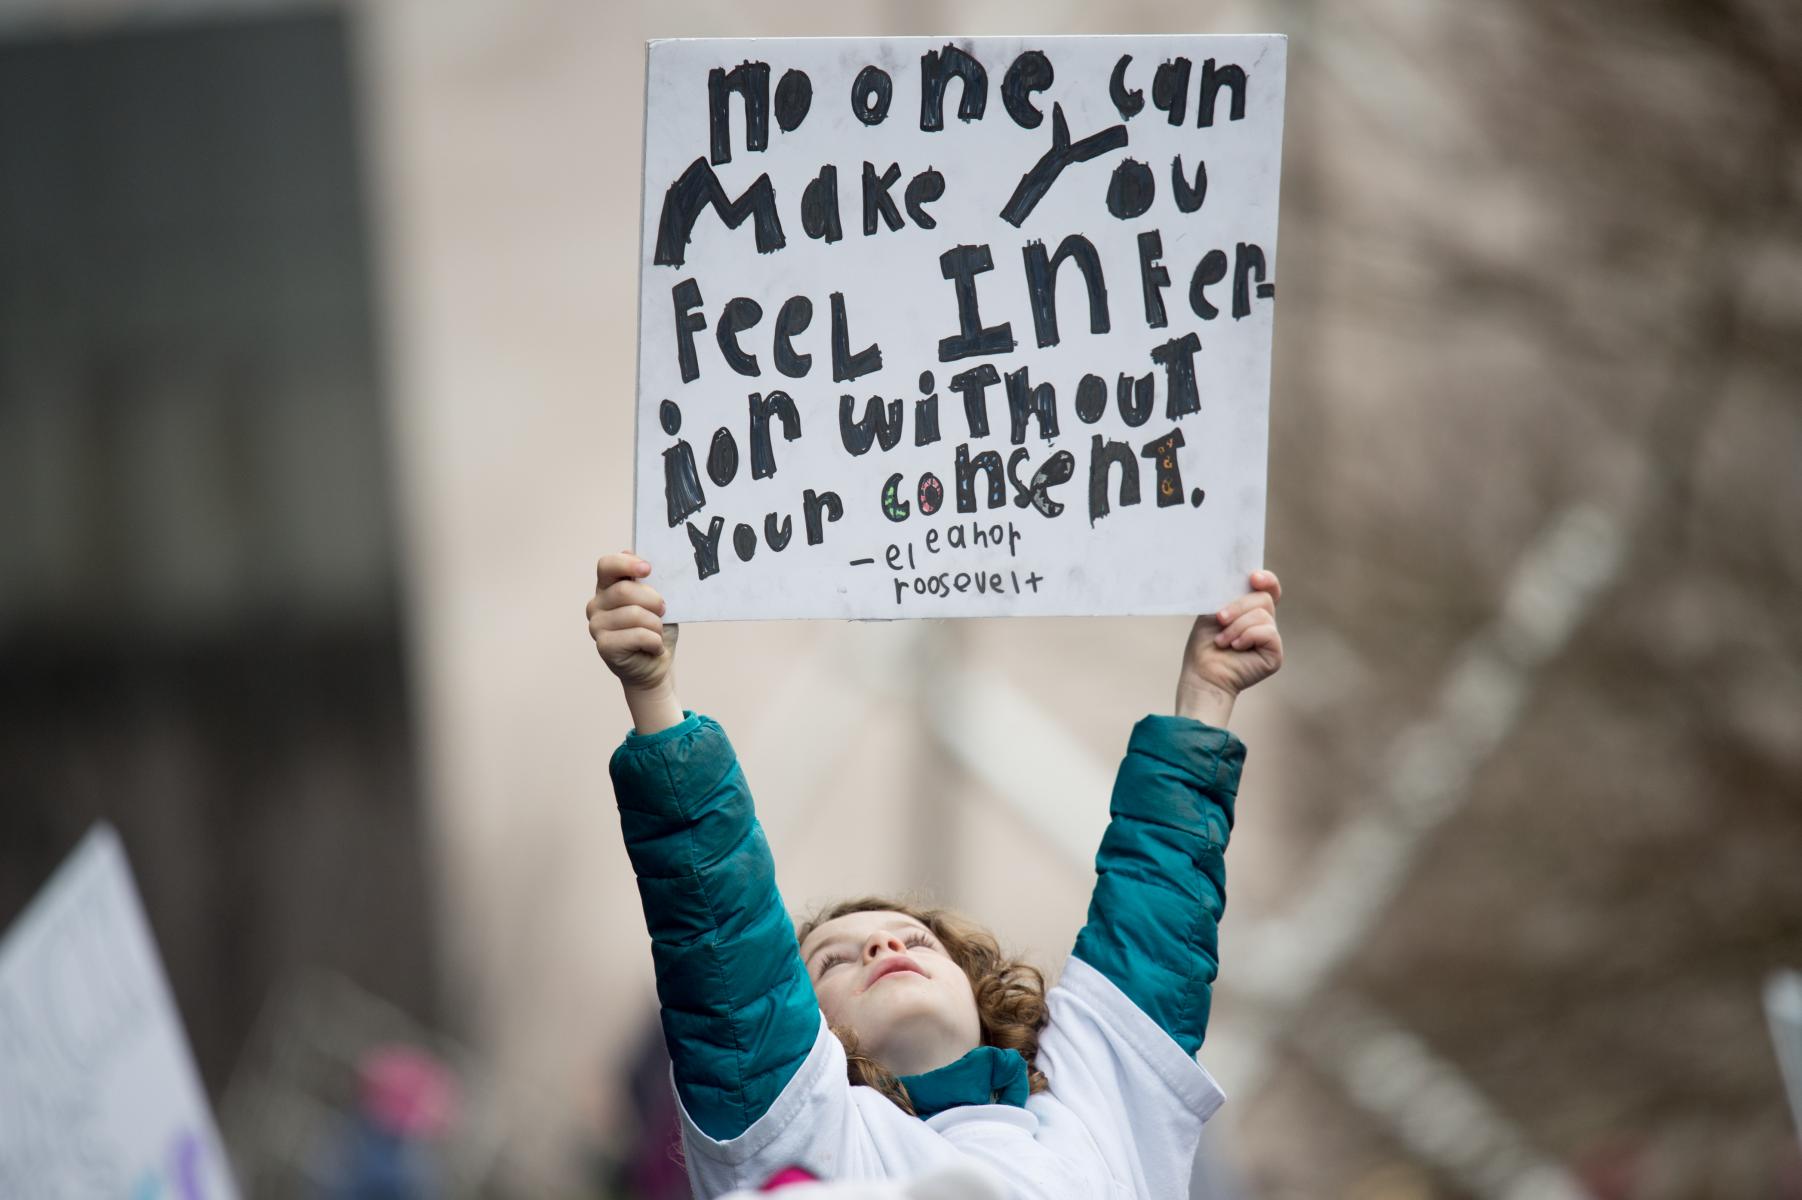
{"x":986,"y":1075}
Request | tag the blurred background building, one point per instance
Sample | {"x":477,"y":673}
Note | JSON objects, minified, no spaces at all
{"x":316,"y":367}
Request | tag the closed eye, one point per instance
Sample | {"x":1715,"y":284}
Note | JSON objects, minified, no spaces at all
{"x":919,"y":938}
{"x":831,"y":961}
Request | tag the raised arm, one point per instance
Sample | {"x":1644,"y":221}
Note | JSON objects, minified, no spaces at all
{"x":1160,"y":884}
{"x":739,"y":1014}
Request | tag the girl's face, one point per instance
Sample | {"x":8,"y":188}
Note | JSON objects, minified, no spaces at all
{"x":886,"y":977}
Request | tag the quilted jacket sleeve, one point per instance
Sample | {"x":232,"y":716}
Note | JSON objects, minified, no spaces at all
{"x":738,"y":1011}
{"x":1160,"y":887}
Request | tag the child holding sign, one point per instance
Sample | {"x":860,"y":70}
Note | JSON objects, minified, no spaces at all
{"x":889,"y":1040}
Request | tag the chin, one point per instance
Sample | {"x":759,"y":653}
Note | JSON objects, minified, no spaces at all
{"x":905,"y":1030}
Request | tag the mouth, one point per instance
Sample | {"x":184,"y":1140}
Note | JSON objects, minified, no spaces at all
{"x":892,"y":966}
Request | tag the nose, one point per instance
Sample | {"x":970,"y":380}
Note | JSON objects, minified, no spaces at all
{"x":881,"y":942}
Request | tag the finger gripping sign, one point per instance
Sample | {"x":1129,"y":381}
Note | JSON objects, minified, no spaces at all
{"x":956,"y":327}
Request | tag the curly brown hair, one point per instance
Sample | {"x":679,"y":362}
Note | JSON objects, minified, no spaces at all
{"x":1010,"y":992}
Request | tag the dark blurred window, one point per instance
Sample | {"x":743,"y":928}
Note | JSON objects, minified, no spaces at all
{"x":199,"y":634}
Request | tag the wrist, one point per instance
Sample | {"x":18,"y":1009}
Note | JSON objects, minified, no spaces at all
{"x":1203,"y":701}
{"x":654,"y":707}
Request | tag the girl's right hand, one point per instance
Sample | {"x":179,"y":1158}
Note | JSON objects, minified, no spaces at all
{"x":625,"y":619}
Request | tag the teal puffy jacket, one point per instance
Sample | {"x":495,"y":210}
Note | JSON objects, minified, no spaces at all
{"x":738,"y":1009}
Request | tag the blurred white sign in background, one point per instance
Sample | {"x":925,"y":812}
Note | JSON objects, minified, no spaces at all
{"x":99,"y":1095}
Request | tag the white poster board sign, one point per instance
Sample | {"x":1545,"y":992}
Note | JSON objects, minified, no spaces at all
{"x":966,"y":327}
{"x":98,"y":1091}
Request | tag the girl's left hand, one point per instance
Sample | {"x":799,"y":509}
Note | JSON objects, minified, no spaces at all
{"x":1232,"y":649}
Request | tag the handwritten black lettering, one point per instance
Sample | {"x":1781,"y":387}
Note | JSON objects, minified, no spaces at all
{"x":1063,"y":153}
{"x":751,"y":80}
{"x":847,"y":366}
{"x":937,"y":68}
{"x":1248,"y":260}
{"x":876,"y":200}
{"x":1212,"y":80}
{"x":973,"y":385}
{"x":686,"y":296}
{"x":780,"y":406}
{"x":819,"y":206}
{"x":1127,"y":103}
{"x":740,"y":314}
{"x":1177,"y":357}
{"x":795,"y":315}
{"x":1131,"y":190}
{"x":699,"y":188}
{"x":1091,"y":399}
{"x":879,"y":425}
{"x":813,"y":505}
{"x":1103,"y":456}
{"x":682,"y":494}
{"x":988,"y":462}
{"x":1170,"y":88}
{"x":1210,"y":270}
{"x":1030,"y":72}
{"x":794,"y":96}
{"x":1153,"y":277}
{"x":722,"y":457}
{"x":961,"y":265}
{"x":1026,"y":402}
{"x":1041,"y":285}
{"x":871,"y":92}
{"x":706,"y":547}
{"x":1188,"y":195}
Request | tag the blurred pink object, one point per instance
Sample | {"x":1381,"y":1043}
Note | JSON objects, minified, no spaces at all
{"x":787,"y":1176}
{"x":965,"y":1179}
{"x":407,"y":1092}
